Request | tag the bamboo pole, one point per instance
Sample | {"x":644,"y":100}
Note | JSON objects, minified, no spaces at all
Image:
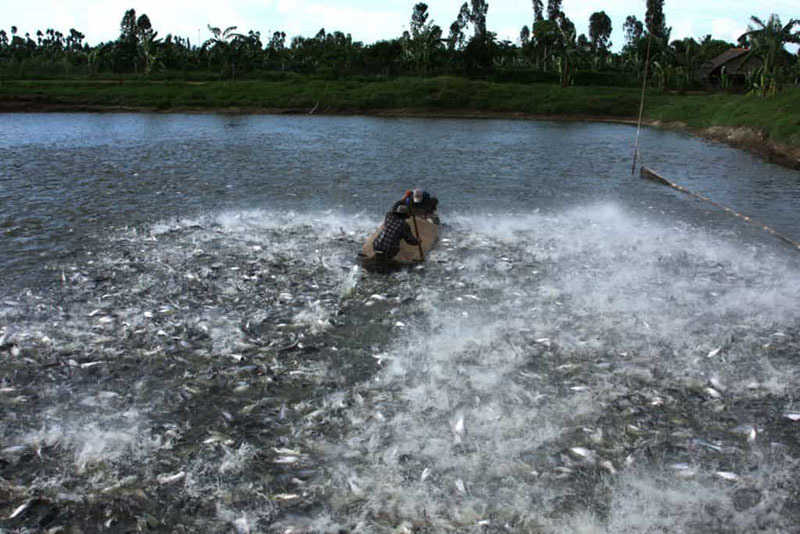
{"x":416,"y":231}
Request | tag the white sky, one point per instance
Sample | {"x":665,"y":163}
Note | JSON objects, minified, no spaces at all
{"x":368,"y":20}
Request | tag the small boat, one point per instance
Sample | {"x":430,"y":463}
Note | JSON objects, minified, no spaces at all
{"x":425,"y":227}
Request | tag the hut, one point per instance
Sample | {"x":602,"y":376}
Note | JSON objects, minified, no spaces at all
{"x":729,"y":70}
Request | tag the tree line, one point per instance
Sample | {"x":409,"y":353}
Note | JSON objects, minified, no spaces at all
{"x":549,"y":49}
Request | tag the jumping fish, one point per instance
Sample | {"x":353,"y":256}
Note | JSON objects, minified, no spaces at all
{"x":285,"y":460}
{"x":284,"y":450}
{"x":458,"y":428}
{"x":171,"y":479}
{"x":716,"y":384}
{"x":608,"y":466}
{"x":19,"y":510}
{"x":684,"y":470}
{"x":707,"y":444}
{"x":748,"y":431}
{"x":792,"y":416}
{"x":285,"y":496}
{"x":217,"y":437}
{"x":581,"y":453}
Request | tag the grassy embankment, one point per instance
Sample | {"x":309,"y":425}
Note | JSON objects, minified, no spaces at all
{"x":776,"y":119}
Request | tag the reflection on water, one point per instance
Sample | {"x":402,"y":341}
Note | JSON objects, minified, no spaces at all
{"x":583,"y":352}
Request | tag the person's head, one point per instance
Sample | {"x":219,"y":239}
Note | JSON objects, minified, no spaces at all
{"x":417,"y":196}
{"x":402,"y":210}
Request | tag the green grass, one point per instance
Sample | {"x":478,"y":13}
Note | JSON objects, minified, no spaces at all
{"x":778,"y":117}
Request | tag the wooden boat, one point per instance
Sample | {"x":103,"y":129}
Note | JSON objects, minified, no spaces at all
{"x":428,"y":227}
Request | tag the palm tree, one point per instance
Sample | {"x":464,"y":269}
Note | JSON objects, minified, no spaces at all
{"x":767,"y":42}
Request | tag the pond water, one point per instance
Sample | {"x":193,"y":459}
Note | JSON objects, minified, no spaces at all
{"x":188,"y":344}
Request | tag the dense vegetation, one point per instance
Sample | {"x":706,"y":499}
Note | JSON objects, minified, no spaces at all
{"x":548,"y":51}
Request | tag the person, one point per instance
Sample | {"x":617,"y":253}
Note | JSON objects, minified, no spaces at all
{"x":395,"y":229}
{"x":418,"y":200}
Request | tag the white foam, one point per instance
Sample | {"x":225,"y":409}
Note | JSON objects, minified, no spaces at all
{"x":114,"y":438}
{"x":598,"y":283}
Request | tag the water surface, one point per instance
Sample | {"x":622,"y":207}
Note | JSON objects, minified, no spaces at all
{"x":188,"y":345}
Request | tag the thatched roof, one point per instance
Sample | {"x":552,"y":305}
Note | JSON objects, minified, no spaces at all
{"x":735,"y":60}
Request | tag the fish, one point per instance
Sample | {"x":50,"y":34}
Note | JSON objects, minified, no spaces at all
{"x":748,"y":431}
{"x":562,"y":472}
{"x":581,"y":453}
{"x":217,"y":437}
{"x":684,"y":470}
{"x":458,"y":428}
{"x":707,"y":444}
{"x":792,"y":416}
{"x":285,"y":496}
{"x":634,"y":430}
{"x":714,"y":352}
{"x":727,"y":475}
{"x":425,"y":474}
{"x":19,"y":510}
{"x":286,"y":460}
{"x":284,"y":450}
{"x":608,"y":466}
{"x":716,"y":384}
{"x":171,"y":479}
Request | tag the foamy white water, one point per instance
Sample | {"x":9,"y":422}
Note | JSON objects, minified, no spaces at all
{"x":547,"y":383}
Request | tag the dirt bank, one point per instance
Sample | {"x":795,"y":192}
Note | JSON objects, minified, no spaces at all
{"x":744,"y":138}
{"x":754,"y":141}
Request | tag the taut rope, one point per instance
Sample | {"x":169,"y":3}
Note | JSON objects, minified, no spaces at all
{"x":652,"y":175}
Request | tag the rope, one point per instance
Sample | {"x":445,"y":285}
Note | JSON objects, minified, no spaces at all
{"x":655,"y":177}
{"x":641,"y":106}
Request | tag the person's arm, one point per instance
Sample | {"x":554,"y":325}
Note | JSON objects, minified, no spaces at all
{"x":409,"y":236}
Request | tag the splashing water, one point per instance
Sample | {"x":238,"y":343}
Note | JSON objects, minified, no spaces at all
{"x":587,"y":370}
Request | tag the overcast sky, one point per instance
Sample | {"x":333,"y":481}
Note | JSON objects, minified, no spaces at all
{"x":368,"y":20}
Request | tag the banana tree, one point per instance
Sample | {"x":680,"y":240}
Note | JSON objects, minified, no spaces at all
{"x":567,"y":56}
{"x":767,"y":42}
{"x":152,"y":54}
{"x":223,"y":43}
